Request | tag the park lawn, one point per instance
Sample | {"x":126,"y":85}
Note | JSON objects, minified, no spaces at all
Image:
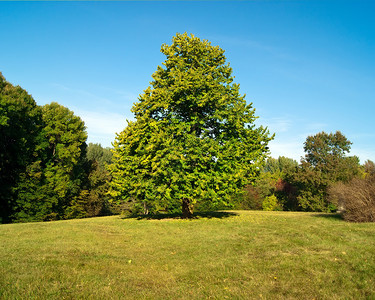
{"x":233,"y":255}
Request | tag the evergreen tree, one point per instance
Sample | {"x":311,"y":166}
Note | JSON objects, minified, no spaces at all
{"x":49,"y":185}
{"x":20,"y":127}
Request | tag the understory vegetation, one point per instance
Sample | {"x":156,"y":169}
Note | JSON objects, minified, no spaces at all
{"x":341,"y":185}
{"x":226,"y":255}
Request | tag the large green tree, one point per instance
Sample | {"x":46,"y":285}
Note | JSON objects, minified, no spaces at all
{"x":48,"y":186}
{"x":20,"y":127}
{"x":194,"y":138}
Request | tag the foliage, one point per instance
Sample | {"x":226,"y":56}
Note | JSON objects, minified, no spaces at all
{"x":286,"y":193}
{"x":355,"y":199}
{"x":324,"y":164}
{"x":46,"y":189}
{"x":304,"y":186}
{"x":194,"y":138}
{"x":324,"y":150}
{"x":20,"y":122}
{"x":44,"y":171}
{"x":103,"y":156}
{"x":270,"y":203}
{"x":280,"y":165}
{"x":274,"y":180}
{"x":93,"y":199}
{"x":250,"y":199}
{"x":369,"y":167}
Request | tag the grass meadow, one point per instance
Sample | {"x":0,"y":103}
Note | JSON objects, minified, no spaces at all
{"x":224,"y":255}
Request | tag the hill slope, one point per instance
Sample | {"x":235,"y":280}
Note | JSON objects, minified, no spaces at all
{"x":225,"y":255}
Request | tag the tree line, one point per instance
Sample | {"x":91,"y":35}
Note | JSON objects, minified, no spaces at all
{"x":193,"y":146}
{"x":47,"y":171}
{"x":325,"y":180}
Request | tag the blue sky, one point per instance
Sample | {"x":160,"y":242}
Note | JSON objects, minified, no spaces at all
{"x":307,"y":66}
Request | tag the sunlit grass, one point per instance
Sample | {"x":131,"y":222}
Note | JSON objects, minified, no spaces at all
{"x":241,"y":255}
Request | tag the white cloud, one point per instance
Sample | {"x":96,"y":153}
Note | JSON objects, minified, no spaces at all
{"x":278,"y":125}
{"x":363,"y":153}
{"x":290,"y":148}
{"x":102,"y":126}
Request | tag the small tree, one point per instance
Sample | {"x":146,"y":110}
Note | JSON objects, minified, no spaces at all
{"x":194,"y":138}
{"x":270,"y":203}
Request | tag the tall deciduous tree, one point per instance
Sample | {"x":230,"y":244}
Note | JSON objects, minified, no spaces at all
{"x":194,"y":138}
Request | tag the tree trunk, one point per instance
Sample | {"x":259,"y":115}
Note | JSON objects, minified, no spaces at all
{"x":187,"y":209}
{"x":145,"y":208}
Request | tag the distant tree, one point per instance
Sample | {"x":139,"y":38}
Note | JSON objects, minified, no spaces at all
{"x":194,"y":138}
{"x":249,"y":199}
{"x":44,"y":171}
{"x":66,"y":135}
{"x":280,"y":165}
{"x":272,"y":165}
{"x":325,"y":163}
{"x":93,"y":199}
{"x":279,"y":171}
{"x":103,"y":156}
{"x":326,"y":153}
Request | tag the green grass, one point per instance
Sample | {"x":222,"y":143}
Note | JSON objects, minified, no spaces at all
{"x":242,"y":255}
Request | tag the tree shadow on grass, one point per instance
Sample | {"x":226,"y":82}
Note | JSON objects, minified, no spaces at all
{"x":197,"y":215}
{"x":331,"y":216}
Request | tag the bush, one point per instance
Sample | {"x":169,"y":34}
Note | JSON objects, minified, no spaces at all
{"x":249,"y":200}
{"x":356,"y":199}
{"x":270,"y":203}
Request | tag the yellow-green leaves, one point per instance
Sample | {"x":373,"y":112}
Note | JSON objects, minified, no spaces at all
{"x":191,"y":141}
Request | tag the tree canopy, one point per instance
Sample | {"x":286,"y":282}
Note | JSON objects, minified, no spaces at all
{"x":49,"y":184}
{"x":44,"y":171}
{"x":194,"y":140}
{"x":20,"y":125}
{"x":325,"y":163}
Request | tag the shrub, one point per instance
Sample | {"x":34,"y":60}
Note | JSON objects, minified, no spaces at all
{"x":356,"y":199}
{"x":270,"y":203}
{"x":249,"y":200}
